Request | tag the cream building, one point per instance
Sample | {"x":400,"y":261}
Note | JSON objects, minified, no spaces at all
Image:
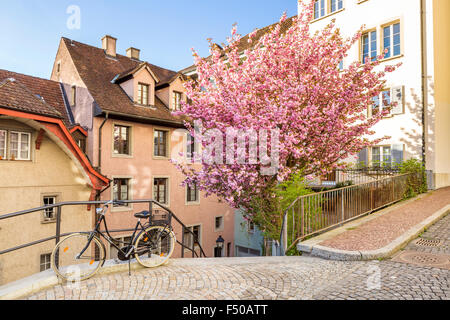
{"x":40,"y":164}
{"x":417,"y":34}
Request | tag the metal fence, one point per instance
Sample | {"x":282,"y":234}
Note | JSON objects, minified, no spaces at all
{"x":318,"y":212}
{"x":153,"y":207}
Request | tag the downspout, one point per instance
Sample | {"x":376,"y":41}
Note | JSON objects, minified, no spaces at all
{"x":424,"y":76}
{"x":99,"y":168}
{"x":100,"y":142}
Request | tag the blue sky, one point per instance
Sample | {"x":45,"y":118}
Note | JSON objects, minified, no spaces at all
{"x":165,"y":31}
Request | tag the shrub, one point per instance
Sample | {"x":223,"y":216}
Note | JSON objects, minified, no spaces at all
{"x":416,"y":183}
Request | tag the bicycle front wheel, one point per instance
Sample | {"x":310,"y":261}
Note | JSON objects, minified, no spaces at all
{"x":68,"y":262}
{"x":154,"y":246}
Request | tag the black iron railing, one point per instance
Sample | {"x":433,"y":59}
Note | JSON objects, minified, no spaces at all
{"x":58,"y":235}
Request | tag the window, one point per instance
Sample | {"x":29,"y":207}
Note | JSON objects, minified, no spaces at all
{"x":143,"y":93}
{"x":389,"y":98}
{"x":82,"y":144}
{"x":160,"y":138}
{"x":45,"y":261}
{"x":19,"y":145}
{"x":2,"y":144}
{"x":73,"y":96}
{"x":319,"y":8}
{"x":50,"y":213}
{"x":369,"y":46}
{"x":189,"y":237}
{"x":391,"y":40}
{"x":218,"y":226}
{"x":121,"y":140}
{"x":381,"y":156}
{"x":250,"y":227}
{"x":177,"y":100}
{"x":336,"y":5}
{"x":160,"y":192}
{"x":121,"y":189}
{"x":190,"y":147}
{"x":383,"y":103}
{"x":192,"y":193}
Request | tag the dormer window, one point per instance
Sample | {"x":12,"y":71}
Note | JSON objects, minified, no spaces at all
{"x":143,"y":93}
{"x":177,"y":100}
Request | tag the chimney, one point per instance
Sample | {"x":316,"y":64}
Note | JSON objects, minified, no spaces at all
{"x":133,"y":53}
{"x":109,"y":45}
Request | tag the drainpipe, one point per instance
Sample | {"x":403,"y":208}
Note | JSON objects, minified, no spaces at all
{"x":100,"y":143}
{"x":99,"y":168}
{"x":424,"y":76}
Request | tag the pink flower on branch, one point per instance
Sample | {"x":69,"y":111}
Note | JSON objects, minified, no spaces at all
{"x":288,"y":81}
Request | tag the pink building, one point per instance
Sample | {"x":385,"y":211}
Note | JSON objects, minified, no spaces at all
{"x":125,"y":104}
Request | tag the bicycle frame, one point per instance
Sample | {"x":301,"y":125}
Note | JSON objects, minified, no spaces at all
{"x":109,"y":238}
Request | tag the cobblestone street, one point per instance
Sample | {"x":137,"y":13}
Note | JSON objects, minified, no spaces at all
{"x":274,"y":278}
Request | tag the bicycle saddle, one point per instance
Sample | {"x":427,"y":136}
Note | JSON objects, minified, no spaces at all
{"x":143,"y":214}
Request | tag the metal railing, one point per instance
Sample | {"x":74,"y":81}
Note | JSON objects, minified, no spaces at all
{"x":319,"y":212}
{"x":59,"y":206}
{"x":345,"y":177}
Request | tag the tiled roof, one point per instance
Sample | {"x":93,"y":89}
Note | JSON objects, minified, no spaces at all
{"x":244,"y":45}
{"x":97,"y":72}
{"x":22,"y":94}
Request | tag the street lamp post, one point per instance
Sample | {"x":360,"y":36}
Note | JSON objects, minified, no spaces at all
{"x":219,"y":246}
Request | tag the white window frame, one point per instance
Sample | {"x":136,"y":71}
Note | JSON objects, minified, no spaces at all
{"x":191,"y":237}
{"x":4,"y":156}
{"x":175,"y":94}
{"x":371,"y":47}
{"x":338,"y":3}
{"x":19,"y":145}
{"x":322,"y":8}
{"x":391,"y":39}
{"x":46,"y":219}
{"x":46,"y":264}
{"x":381,"y":161}
{"x":222,"y":225}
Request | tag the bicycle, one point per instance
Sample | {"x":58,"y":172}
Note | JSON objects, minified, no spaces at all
{"x":80,"y":255}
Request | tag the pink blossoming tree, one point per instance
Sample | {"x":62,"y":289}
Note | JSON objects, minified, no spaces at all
{"x":288,"y":81}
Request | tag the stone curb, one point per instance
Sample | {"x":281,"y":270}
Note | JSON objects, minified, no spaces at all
{"x":317,"y":250}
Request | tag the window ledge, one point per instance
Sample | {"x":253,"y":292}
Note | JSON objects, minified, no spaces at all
{"x":126,"y":156}
{"x":160,"y":158}
{"x":328,"y":15}
{"x":192,"y":203}
{"x":392,"y":58}
{"x":145,"y":106}
{"x":48,"y":221}
{"x":121,"y":209}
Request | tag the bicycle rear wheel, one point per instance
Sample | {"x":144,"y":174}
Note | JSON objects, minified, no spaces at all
{"x":154,"y":246}
{"x":66,"y":263}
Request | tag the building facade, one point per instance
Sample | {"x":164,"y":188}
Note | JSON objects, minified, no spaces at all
{"x":126,"y":106}
{"x":415,"y":33}
{"x":40,"y":164}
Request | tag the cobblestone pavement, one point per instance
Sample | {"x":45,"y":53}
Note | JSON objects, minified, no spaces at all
{"x":439,"y":231}
{"x":264,"y":278}
{"x":274,"y":278}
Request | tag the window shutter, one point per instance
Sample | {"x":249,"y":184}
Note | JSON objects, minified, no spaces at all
{"x":397,"y":153}
{"x":363,"y":157}
{"x":397,"y":96}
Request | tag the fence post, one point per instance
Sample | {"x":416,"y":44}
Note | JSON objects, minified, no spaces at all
{"x":342,"y":206}
{"x":182,"y":242}
{"x":58,"y":224}
{"x":303,"y":218}
{"x":285,"y":233}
